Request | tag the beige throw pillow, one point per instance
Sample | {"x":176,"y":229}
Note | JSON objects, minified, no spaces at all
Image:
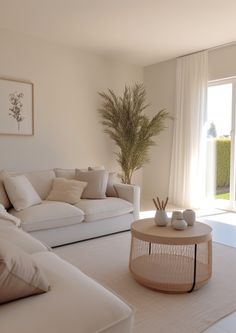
{"x":66,"y":190}
{"x":20,"y":192}
{"x":110,"y":191}
{"x":20,"y":276}
{"x":97,"y":183}
{"x":4,"y":200}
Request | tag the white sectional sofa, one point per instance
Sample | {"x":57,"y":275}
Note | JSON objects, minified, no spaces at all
{"x":74,"y":304}
{"x":57,"y":223}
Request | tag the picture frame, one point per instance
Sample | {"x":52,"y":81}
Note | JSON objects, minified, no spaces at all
{"x":16,"y":107}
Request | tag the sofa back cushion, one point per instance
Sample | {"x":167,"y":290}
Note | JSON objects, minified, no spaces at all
{"x":19,"y":274}
{"x":65,"y":173}
{"x":4,"y":200}
{"x":41,"y":181}
{"x":21,"y":192}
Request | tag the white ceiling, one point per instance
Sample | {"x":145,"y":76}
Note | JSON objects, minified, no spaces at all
{"x":137,"y":31}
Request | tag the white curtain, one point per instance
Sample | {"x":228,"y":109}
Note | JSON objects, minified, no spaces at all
{"x":187,"y":175}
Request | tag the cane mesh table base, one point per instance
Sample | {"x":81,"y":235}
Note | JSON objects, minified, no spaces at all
{"x":174,"y":268}
{"x":169,"y":268}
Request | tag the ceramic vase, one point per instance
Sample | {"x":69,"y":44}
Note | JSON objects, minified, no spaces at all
{"x":177,"y":215}
{"x":189,"y":216}
{"x":179,"y":224}
{"x":161,"y":219}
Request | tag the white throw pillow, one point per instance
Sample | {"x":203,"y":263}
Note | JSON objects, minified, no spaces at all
{"x":66,"y":190}
{"x":20,"y":192}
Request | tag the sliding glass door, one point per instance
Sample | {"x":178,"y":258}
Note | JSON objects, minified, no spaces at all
{"x":220,"y":170}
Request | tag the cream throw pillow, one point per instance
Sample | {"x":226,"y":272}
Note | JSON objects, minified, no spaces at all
{"x":66,"y":190}
{"x":20,"y":276}
{"x":20,"y":192}
{"x":97,"y":183}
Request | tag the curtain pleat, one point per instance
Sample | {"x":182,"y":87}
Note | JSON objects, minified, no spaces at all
{"x":188,"y":169}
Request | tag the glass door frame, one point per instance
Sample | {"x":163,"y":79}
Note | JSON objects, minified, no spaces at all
{"x":229,"y":204}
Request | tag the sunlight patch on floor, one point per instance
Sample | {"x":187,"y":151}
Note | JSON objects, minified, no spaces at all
{"x":226,"y":218}
{"x":147,"y":214}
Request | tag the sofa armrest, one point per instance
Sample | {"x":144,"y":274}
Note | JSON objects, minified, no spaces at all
{"x":130,"y":193}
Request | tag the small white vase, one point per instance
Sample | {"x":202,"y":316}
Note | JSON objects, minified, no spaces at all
{"x":177,"y":215}
{"x":189,"y":216}
{"x":161,"y":219}
{"x":179,"y":224}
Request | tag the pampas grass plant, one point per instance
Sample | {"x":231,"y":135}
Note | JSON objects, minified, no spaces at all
{"x":129,"y":127}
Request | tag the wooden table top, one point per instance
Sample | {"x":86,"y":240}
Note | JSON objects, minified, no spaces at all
{"x":148,"y":231}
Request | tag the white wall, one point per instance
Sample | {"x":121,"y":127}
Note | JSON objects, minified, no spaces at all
{"x":159,"y":80}
{"x":222,"y":63}
{"x":66,"y":82}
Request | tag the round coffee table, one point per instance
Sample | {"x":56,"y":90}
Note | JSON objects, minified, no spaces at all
{"x":170,"y":260}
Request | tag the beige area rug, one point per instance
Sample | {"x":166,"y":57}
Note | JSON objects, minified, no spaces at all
{"x":106,"y":260}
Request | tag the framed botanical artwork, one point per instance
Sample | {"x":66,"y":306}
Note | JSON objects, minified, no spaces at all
{"x":16,"y":107}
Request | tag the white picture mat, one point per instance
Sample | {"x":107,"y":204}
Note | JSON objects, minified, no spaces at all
{"x":9,"y":125}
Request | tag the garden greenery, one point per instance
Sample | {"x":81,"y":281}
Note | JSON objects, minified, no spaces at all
{"x":222,"y":162}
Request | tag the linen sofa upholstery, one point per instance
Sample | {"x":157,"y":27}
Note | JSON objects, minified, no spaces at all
{"x":84,"y":231}
{"x":58,"y":223}
{"x":101,"y":209}
{"x":20,"y":238}
{"x":130,"y":193}
{"x":49,"y":214}
{"x":75,"y":303}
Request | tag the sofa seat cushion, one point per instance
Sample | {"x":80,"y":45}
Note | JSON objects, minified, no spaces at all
{"x":75,"y":303}
{"x":48,"y":215}
{"x":102,"y":209}
{"x":21,"y":238}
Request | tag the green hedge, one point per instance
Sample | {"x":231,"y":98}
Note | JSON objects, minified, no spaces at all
{"x":222,"y":162}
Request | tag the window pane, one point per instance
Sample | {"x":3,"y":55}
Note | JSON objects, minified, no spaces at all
{"x":219,"y":112}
